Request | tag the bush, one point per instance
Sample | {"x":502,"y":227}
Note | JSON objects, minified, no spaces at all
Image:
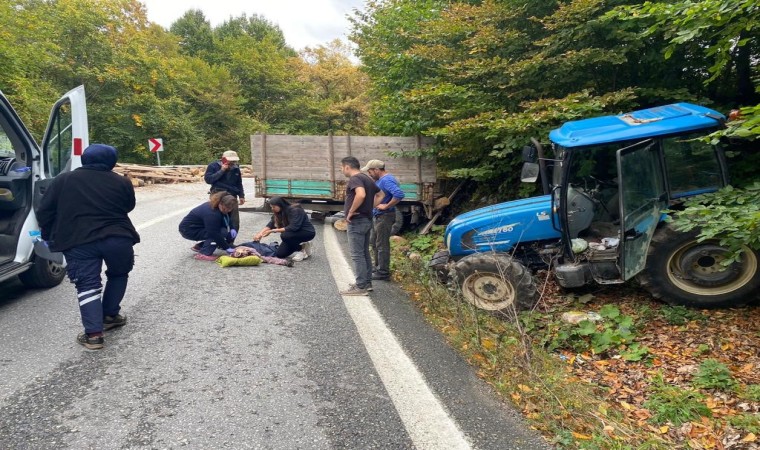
{"x":714,"y":375}
{"x":615,"y":332}
{"x":680,"y":315}
{"x":675,"y":405}
{"x":749,"y":422}
{"x":751,"y":392}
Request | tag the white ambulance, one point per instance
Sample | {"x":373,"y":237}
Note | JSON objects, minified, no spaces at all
{"x":26,"y":170}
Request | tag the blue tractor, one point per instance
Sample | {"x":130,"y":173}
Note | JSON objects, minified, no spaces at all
{"x":602,"y":216}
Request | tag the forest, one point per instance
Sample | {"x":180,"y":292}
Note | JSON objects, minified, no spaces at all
{"x":202,"y":89}
{"x":481,"y":76}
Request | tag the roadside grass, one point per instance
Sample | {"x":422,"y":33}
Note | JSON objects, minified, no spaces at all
{"x":643,"y":376}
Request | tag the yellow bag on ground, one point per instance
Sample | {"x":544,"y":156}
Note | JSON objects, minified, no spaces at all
{"x":227,"y":261}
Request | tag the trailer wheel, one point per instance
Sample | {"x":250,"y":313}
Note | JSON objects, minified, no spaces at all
{"x":682,"y":271}
{"x":496,"y":282}
{"x":43,"y":274}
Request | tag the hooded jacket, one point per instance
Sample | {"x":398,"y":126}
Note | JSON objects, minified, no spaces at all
{"x":88,"y":204}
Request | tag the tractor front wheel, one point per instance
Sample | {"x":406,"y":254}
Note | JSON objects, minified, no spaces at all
{"x":496,"y":282}
{"x":682,"y":271}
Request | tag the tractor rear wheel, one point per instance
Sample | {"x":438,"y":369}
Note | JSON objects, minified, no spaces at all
{"x":682,"y":271}
{"x":496,"y":282}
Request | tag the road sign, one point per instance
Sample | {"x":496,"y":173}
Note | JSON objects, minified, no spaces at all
{"x":156,"y":145}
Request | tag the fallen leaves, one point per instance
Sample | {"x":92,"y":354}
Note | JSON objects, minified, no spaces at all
{"x":602,"y":397}
{"x":676,"y":352}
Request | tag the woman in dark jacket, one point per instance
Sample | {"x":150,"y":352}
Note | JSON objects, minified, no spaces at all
{"x":292,"y":223}
{"x":210,"y":223}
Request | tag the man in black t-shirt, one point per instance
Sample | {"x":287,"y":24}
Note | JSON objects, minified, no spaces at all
{"x":360,"y":198}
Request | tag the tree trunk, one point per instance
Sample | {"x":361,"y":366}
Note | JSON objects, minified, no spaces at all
{"x":746,"y":93}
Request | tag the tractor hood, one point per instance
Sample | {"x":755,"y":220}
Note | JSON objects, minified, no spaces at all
{"x":500,"y":227}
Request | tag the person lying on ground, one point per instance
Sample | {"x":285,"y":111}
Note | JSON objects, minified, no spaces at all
{"x":293,"y":224}
{"x":209,"y":223}
{"x":263,"y":251}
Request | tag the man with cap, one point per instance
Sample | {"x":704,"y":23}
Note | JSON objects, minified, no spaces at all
{"x":84,"y":214}
{"x":383,"y":216}
{"x":224,"y":175}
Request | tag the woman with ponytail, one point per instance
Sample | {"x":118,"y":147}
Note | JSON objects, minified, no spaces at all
{"x":293,"y":224}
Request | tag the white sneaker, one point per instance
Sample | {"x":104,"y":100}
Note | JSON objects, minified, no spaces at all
{"x":298,"y":256}
{"x":306,"y":249}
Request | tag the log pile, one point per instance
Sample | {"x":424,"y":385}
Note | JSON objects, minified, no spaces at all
{"x":141,"y":175}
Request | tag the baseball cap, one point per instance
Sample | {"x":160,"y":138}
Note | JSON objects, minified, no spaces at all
{"x":373,"y":164}
{"x":230,"y":155}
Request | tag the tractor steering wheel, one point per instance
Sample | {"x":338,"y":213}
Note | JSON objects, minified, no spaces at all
{"x":605,"y":183}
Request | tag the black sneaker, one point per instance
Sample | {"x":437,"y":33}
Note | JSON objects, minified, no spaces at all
{"x":90,"y":343}
{"x":111,"y":322}
{"x":377,"y":276}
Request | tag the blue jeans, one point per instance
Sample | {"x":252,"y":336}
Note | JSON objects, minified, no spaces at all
{"x":84,"y":263}
{"x":358,"y":246}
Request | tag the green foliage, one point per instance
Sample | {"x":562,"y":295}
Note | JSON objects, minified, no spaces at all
{"x":484,"y":77}
{"x":746,"y":126}
{"x":749,"y":422}
{"x":680,"y":315}
{"x":426,"y":245}
{"x":724,"y":35}
{"x":750,"y":392}
{"x":616,"y":332}
{"x":725,"y":24}
{"x":731,"y":216}
{"x":672,"y":404}
{"x":713,"y":374}
{"x":202,"y":89}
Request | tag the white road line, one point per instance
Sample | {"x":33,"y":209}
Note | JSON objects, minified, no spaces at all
{"x":425,"y":418}
{"x":159,"y":219}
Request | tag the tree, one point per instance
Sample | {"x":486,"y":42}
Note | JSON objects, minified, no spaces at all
{"x":338,"y":94}
{"x":728,"y":33}
{"x":196,"y":36}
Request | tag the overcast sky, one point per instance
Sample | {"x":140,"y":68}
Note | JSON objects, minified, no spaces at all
{"x":304,"y":22}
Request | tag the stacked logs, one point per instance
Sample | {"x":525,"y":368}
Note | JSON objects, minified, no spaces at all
{"x":141,"y":175}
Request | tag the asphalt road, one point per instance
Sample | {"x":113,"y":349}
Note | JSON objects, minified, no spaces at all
{"x":263,"y":357}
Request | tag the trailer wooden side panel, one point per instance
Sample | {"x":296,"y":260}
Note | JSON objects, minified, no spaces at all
{"x":308,"y":167}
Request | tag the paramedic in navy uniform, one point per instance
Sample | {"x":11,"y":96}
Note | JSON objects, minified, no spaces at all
{"x":84,"y":215}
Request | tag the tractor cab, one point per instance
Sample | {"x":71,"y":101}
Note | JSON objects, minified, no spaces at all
{"x":614,"y":176}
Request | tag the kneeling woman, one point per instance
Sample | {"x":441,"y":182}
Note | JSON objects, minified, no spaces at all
{"x":210,"y":223}
{"x":292,"y":223}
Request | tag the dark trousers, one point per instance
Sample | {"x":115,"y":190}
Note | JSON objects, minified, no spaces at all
{"x":380,"y":242}
{"x":208,"y":245}
{"x":291,"y":242}
{"x":358,"y":246}
{"x":84,"y":263}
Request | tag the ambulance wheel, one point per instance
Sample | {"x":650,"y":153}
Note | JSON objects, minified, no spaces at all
{"x":43,"y":274}
{"x":682,"y":271}
{"x":496,"y":282}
